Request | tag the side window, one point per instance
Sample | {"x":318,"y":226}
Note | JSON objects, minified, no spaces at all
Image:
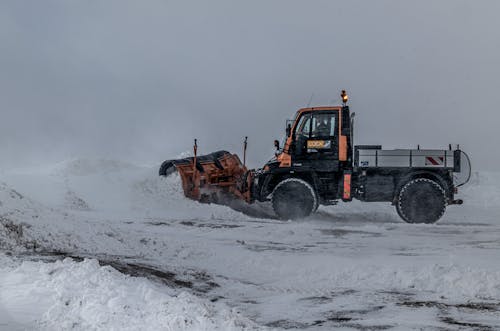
{"x":304,"y":126}
{"x":324,"y":125}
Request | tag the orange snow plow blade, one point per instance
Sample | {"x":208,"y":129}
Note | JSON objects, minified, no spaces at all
{"x":213,"y":177}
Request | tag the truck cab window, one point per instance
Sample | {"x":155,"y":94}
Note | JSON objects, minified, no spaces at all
{"x":323,"y":126}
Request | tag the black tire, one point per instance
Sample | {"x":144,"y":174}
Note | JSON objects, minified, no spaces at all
{"x":167,"y":168}
{"x":294,"y":198}
{"x":421,"y":200}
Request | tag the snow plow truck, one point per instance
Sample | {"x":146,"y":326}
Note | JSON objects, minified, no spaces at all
{"x":318,"y":164}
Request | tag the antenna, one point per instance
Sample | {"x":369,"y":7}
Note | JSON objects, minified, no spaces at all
{"x":310,"y":100}
{"x":195,"y":152}
{"x":245,"y":151}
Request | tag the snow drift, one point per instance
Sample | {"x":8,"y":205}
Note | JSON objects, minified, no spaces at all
{"x":85,"y":296}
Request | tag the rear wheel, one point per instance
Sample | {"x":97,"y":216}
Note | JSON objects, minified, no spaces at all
{"x":294,"y":198}
{"x":421,"y":200}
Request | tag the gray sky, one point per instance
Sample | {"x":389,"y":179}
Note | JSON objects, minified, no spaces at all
{"x":138,"y":80}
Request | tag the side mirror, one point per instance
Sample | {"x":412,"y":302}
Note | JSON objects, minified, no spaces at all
{"x":288,"y":130}
{"x":277,"y":145}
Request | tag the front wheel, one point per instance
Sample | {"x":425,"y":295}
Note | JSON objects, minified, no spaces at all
{"x":421,"y":200}
{"x":294,"y":198}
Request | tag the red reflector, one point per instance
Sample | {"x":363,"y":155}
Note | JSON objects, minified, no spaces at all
{"x":347,"y":187}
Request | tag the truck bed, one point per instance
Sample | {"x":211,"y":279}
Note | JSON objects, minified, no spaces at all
{"x":376,"y":157}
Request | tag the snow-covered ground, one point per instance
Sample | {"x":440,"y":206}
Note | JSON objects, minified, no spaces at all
{"x":86,"y":296}
{"x":102,"y":244}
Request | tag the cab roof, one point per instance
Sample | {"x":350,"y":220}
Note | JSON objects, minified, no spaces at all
{"x":323,"y":108}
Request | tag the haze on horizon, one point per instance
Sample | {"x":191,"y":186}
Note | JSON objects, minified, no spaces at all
{"x":138,"y":81}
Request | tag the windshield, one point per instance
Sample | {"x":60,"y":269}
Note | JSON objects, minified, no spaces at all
{"x":288,"y":123}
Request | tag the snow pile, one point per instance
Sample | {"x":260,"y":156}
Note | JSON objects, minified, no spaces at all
{"x":164,"y":197}
{"x":116,"y":186}
{"x":78,"y":206}
{"x":16,"y":212}
{"x":85,"y":296}
{"x":26,"y":224}
{"x":112,"y":187}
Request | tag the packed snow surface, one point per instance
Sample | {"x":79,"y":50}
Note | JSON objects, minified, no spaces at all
{"x":103,"y":244}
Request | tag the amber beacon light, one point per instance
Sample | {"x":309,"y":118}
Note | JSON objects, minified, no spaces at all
{"x":344,"y":96}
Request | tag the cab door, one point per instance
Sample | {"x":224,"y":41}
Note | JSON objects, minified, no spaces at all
{"x":316,"y":140}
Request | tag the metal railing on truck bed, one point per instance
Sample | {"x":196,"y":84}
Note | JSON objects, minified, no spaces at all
{"x":376,"y":157}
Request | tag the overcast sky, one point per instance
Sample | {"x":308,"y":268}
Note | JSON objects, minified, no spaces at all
{"x":138,"y":80}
